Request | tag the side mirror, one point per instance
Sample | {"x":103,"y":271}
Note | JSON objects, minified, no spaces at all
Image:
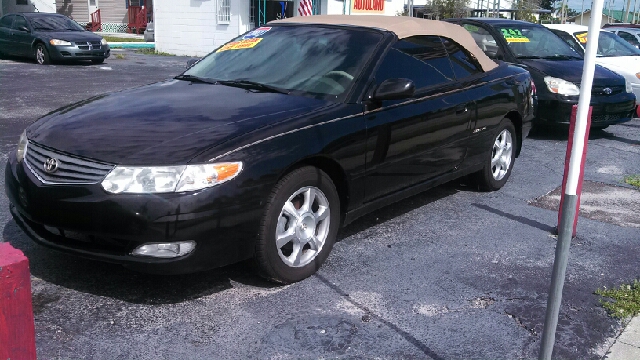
{"x":192,"y":62}
{"x":395,"y":89}
{"x":24,"y":28}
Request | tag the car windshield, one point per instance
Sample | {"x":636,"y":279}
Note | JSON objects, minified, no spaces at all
{"x":54,"y":23}
{"x":609,"y":44}
{"x":321,"y":61}
{"x":533,"y":42}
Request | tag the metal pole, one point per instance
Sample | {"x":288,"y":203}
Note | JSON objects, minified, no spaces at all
{"x":582,"y":14}
{"x":626,"y":14}
{"x":568,"y":211}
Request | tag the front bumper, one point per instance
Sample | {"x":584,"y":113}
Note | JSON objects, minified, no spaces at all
{"x":79,"y":52}
{"x":86,"y":221}
{"x":607,"y":110}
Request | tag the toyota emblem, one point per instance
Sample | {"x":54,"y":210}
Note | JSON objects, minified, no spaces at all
{"x":51,"y":165}
{"x":607,"y":91}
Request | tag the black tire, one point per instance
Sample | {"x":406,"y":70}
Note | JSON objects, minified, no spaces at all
{"x":42,"y":55}
{"x":98,"y":61}
{"x":269,"y":257}
{"x":491,"y":178}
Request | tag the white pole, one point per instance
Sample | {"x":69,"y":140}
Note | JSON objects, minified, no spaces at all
{"x":626,"y":14}
{"x":568,"y":211}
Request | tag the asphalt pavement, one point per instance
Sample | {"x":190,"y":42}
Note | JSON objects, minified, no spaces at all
{"x":450,"y":274}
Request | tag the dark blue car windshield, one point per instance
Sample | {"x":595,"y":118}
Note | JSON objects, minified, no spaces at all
{"x":311,"y":59}
{"x":54,"y":23}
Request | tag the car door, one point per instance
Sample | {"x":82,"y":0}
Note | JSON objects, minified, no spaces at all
{"x":6,"y":43}
{"x":413,"y":140}
{"x":22,"y":37}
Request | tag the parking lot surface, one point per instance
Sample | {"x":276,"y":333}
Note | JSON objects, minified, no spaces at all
{"x":451,"y":273}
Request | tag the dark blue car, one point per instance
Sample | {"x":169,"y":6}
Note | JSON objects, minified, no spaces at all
{"x":556,"y":69}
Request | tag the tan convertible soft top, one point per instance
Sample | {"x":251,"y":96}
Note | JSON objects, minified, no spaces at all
{"x":403,"y":27}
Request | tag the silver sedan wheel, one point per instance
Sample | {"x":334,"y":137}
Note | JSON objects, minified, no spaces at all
{"x":501,"y":155}
{"x":303,"y":226}
{"x":40,"y":55}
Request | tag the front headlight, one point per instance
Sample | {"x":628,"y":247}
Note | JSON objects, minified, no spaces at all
{"x":560,"y":86}
{"x":103,"y":41}
{"x":164,"y":179}
{"x":627,"y":85}
{"x":57,"y":42}
{"x":22,"y":146}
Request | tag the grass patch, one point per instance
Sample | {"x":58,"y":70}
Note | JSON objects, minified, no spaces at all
{"x":150,"y":51}
{"x":120,"y":56}
{"x":633,"y":180}
{"x":121,"y":39}
{"x":622,"y":302}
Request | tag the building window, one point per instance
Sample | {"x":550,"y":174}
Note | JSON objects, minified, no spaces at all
{"x":252,"y":14}
{"x":224,"y":11}
{"x":22,"y":2}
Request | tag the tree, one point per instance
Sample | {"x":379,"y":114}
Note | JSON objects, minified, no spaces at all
{"x":445,"y":9}
{"x":526,"y":9}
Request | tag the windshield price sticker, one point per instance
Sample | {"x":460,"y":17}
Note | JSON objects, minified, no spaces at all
{"x":242,"y":44}
{"x":257,"y":32}
{"x":471,"y":28}
{"x":582,"y":38}
{"x":513,"y":35}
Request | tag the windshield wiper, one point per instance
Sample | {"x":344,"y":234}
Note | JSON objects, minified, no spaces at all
{"x":197,"y":79}
{"x":253,"y":85}
{"x":561,"y":57}
{"x":529,"y":57}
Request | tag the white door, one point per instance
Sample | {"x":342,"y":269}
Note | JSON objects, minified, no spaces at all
{"x":93,"y":6}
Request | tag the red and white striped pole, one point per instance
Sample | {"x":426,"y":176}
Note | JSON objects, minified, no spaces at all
{"x":568,"y":210}
{"x":17,"y":333}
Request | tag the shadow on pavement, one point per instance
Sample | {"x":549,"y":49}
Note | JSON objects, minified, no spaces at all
{"x":114,"y":281}
{"x":560,"y":133}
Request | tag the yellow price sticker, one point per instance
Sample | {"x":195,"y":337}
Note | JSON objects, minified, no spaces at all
{"x":582,"y":38}
{"x":242,"y":44}
{"x":518,"y":40}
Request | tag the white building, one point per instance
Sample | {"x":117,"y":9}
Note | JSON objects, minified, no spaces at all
{"x":196,"y":27}
{"x":11,"y":6}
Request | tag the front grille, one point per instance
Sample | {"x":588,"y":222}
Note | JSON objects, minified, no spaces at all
{"x":601,"y":90}
{"x":84,"y":45}
{"x":71,"y":169}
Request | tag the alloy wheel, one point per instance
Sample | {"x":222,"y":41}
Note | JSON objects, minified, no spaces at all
{"x":501,"y":155}
{"x":303,"y":226}
{"x":40,"y":55}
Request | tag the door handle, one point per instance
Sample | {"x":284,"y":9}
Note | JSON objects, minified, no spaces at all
{"x":461,"y":109}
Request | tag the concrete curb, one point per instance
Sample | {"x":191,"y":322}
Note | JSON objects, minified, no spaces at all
{"x":132,"y":45}
{"x":627,"y":345}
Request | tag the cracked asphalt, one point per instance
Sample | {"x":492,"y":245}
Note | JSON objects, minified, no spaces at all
{"x":452,"y":273}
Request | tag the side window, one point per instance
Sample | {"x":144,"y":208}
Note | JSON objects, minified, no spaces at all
{"x":20,"y":22}
{"x":628,"y":37}
{"x":484,"y":39}
{"x":422,"y":59}
{"x":568,"y":39}
{"x":6,"y":21}
{"x":463,"y":63}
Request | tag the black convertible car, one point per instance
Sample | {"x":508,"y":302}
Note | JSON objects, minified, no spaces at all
{"x":49,"y":37}
{"x":267,"y":145}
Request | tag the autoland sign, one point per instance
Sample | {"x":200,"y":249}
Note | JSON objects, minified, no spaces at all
{"x":367,"y":6}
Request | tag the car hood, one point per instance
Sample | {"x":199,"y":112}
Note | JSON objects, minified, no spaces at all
{"x":571,"y":70}
{"x":69,"y":35}
{"x":627,"y":66}
{"x":164,"y":123}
